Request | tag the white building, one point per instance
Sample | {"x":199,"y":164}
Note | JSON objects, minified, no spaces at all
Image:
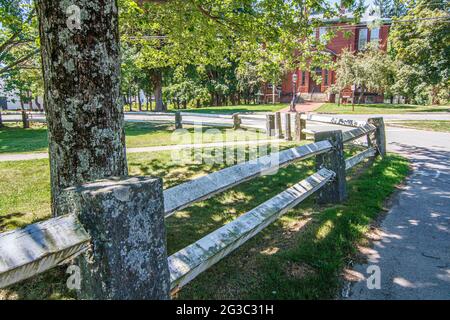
{"x":11,"y":101}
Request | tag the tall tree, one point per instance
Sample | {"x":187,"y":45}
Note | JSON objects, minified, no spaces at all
{"x":420,"y":43}
{"x":18,"y":34}
{"x":81,"y":67}
{"x":391,"y":8}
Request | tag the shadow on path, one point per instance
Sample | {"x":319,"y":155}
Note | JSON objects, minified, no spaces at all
{"x":413,"y":248}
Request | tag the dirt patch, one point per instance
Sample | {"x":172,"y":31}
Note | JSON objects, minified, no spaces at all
{"x":299,"y":270}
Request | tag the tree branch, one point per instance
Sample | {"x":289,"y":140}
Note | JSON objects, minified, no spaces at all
{"x":17,"y":62}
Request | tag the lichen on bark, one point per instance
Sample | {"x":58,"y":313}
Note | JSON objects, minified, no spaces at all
{"x":82,"y":93}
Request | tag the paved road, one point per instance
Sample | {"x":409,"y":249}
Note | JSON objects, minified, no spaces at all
{"x":414,"y":251}
{"x":251,"y":120}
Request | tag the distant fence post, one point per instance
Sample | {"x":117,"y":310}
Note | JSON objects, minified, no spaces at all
{"x":236,"y":121}
{"x":25,"y":120}
{"x":288,"y":127}
{"x":300,"y":125}
{"x":335,"y":192}
{"x":278,"y":126}
{"x":270,"y":125}
{"x":178,"y":120}
{"x":380,"y":135}
{"x":128,"y":256}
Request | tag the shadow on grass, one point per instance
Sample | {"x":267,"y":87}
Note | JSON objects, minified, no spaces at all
{"x":305,"y":262}
{"x":299,"y":256}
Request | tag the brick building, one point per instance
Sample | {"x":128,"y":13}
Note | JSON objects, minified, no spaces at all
{"x":353,"y":38}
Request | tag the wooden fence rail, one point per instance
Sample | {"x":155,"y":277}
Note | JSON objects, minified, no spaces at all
{"x":360,"y":157}
{"x":333,"y":120}
{"x":186,"y":194}
{"x":358,"y":133}
{"x":188,"y":263}
{"x":39,"y":247}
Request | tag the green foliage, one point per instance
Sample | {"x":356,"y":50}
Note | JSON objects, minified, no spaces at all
{"x":18,"y":35}
{"x":371,"y":70}
{"x":234,"y":46}
{"x":422,"y":52}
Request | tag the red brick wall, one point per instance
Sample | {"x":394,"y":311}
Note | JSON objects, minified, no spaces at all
{"x":344,"y":39}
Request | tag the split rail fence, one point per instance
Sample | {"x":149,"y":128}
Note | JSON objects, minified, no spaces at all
{"x":100,"y":221}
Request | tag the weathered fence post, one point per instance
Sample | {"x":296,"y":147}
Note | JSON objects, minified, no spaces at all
{"x":236,"y":121}
{"x":380,"y":135}
{"x":300,"y":125}
{"x":288,"y":127}
{"x":278,"y":126}
{"x":335,"y":192}
{"x":178,"y":120}
{"x":128,"y":256}
{"x":270,"y":125}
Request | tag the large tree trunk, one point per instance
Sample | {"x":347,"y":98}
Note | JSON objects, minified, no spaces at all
{"x":157,"y":85}
{"x":1,"y":121}
{"x":82,"y":92}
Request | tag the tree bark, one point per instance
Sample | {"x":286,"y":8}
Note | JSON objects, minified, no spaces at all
{"x":82,"y":93}
{"x":157,"y":85}
{"x":139,"y":99}
{"x":25,"y":121}
{"x":30,"y":100}
{"x":38,"y":104}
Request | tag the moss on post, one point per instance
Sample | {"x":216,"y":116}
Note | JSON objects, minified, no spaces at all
{"x":125,"y":220}
{"x":335,"y":192}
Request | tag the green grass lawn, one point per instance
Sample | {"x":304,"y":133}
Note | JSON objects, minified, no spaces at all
{"x":379,"y":108}
{"x":239,"y":109}
{"x":431,"y":125}
{"x":15,"y":139}
{"x":244,"y":108}
{"x":298,"y":257}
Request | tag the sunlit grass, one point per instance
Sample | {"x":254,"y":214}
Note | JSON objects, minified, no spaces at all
{"x":15,"y":139}
{"x":382,"y":108}
{"x":299,"y":256}
{"x":432,"y":125}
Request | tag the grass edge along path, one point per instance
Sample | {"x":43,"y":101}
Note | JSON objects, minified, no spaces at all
{"x":381,"y":108}
{"x":427,"y":125}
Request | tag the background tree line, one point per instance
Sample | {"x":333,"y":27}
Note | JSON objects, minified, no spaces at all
{"x":416,"y":64}
{"x":211,"y":53}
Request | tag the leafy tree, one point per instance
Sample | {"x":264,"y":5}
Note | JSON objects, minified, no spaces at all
{"x":391,"y":8}
{"x":217,"y":35}
{"x":422,"y":51}
{"x":371,"y":70}
{"x":18,"y":34}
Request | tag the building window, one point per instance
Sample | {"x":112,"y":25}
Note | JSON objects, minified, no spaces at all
{"x":303,"y":78}
{"x":322,"y":33}
{"x":375,"y":34}
{"x":325,"y":77}
{"x":362,"y":39}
